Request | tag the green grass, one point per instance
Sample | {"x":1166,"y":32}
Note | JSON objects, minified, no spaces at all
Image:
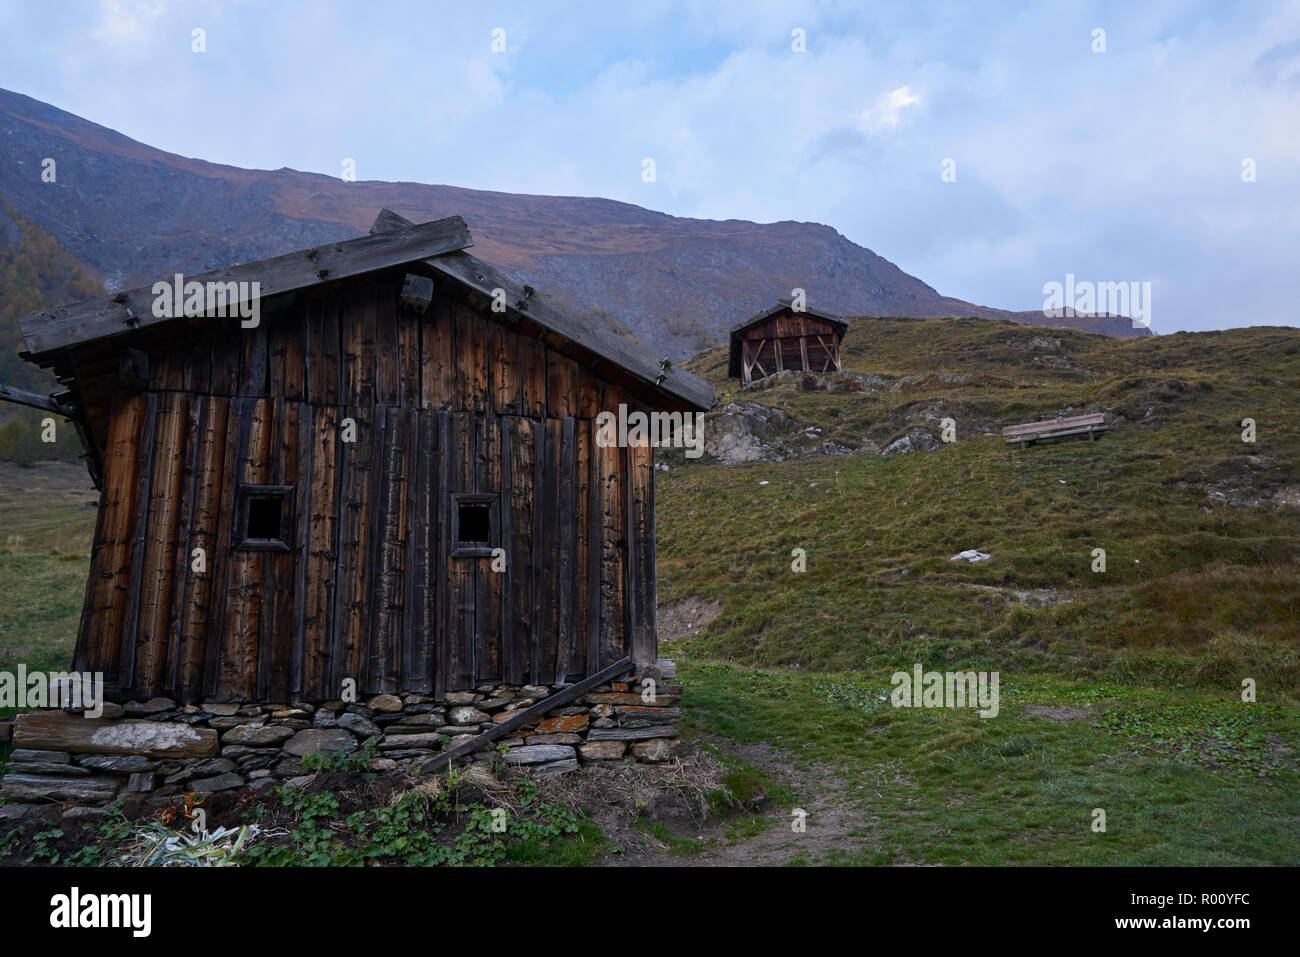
{"x":947,"y":787}
{"x":1201,"y":591}
{"x":1198,"y":595}
{"x":44,"y":559}
{"x":1195,"y":592}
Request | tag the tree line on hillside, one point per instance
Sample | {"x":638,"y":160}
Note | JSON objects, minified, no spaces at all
{"x":35,"y":273}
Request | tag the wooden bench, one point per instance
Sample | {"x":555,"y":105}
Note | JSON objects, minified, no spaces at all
{"x":1090,"y":425}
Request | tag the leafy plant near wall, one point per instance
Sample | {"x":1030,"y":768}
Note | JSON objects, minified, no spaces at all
{"x":353,"y":762}
{"x":427,"y":825}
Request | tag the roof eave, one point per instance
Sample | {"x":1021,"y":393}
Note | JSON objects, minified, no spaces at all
{"x":50,"y":331}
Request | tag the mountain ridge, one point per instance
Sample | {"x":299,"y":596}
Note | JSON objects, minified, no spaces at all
{"x":131,"y":212}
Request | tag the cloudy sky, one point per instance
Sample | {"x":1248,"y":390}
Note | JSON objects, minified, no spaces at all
{"x":1122,"y":164}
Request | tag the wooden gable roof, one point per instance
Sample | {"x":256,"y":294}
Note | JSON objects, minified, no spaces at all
{"x":393,"y":241}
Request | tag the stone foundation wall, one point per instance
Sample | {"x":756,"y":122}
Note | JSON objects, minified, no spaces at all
{"x":157,"y":749}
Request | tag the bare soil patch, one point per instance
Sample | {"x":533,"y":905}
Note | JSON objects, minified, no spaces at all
{"x":687,"y":617}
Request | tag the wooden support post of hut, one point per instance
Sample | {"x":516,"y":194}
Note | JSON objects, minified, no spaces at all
{"x":385,"y":484}
{"x":782,"y":339}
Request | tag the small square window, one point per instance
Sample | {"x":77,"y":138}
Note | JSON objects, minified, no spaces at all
{"x":473,"y":521}
{"x":265,"y":518}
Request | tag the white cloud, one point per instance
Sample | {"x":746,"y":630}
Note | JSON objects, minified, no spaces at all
{"x":1115,"y":166}
{"x":887,"y":112}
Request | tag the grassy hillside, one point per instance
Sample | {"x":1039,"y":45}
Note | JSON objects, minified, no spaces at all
{"x":35,"y":273}
{"x":1121,"y":690}
{"x":1201,"y":530}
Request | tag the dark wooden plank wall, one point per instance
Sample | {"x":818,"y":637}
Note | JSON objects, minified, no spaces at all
{"x":448,"y":401}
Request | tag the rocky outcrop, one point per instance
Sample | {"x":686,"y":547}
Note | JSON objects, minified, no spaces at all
{"x":916,"y":440}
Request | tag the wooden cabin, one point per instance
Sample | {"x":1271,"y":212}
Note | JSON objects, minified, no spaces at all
{"x":392,"y":478}
{"x":782,"y":339}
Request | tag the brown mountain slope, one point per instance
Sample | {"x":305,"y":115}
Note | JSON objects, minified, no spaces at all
{"x":133,"y":213}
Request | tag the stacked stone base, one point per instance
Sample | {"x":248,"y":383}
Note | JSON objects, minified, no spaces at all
{"x":157,"y":749}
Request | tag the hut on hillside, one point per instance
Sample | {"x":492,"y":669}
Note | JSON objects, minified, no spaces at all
{"x":783,"y":339}
{"x":386,"y":472}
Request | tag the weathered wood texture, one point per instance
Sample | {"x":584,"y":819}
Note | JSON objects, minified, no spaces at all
{"x":59,"y":731}
{"x":375,"y":415}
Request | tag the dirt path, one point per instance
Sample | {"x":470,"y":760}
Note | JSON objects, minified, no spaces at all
{"x":835,"y":823}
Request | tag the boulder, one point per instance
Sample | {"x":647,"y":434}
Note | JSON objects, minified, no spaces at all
{"x":655,"y":750}
{"x":358,"y":724}
{"x":917,"y":440}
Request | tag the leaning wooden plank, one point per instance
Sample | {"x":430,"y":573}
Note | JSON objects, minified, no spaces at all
{"x":529,"y":714}
{"x":119,"y":314}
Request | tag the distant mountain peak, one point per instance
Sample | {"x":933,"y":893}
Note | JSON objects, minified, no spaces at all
{"x":132,"y":213}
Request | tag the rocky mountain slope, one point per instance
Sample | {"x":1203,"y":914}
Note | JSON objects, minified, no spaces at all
{"x":132,"y":213}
